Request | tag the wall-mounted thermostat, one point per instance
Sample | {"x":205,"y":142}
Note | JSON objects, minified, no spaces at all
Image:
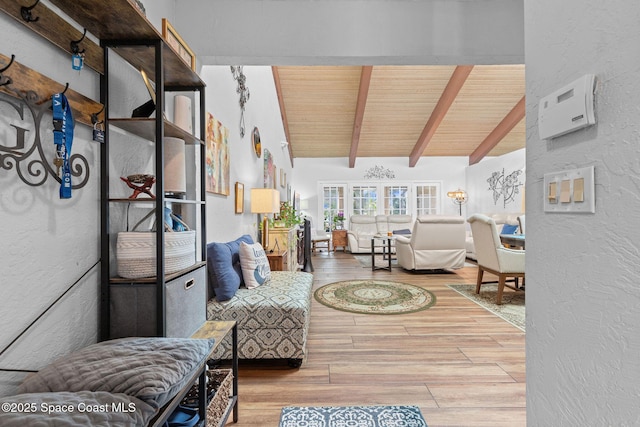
{"x":568,"y":109}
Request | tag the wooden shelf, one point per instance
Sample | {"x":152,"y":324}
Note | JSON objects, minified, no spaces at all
{"x":25,"y":79}
{"x":153,"y":280}
{"x":120,"y":21}
{"x":149,"y":200}
{"x":55,"y":29}
{"x":146,"y":129}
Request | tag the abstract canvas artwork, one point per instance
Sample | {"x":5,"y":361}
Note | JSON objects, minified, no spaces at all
{"x":217,"y":161}
{"x":269,"y":170}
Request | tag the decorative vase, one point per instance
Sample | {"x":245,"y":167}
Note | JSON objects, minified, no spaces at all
{"x":182,"y":113}
{"x":175,"y":177}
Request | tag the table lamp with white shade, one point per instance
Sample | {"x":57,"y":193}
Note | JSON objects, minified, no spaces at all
{"x":265,"y":201}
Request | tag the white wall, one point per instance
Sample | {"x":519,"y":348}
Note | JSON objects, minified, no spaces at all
{"x":506,"y":198}
{"x":447,"y":170}
{"x":582,"y":270}
{"x":261,"y":110}
{"x":47,"y":243}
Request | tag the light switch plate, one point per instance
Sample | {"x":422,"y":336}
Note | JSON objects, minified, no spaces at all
{"x":581,"y":183}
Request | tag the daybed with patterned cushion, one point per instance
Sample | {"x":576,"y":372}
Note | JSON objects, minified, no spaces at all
{"x":123,"y":382}
{"x":272,"y":319}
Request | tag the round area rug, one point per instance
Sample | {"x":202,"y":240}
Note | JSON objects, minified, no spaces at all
{"x":375,"y":297}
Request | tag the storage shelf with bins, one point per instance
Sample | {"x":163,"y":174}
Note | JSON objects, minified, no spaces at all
{"x":128,"y":37}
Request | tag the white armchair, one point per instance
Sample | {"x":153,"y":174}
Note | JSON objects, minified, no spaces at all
{"x":493,"y":256}
{"x":436,"y":242}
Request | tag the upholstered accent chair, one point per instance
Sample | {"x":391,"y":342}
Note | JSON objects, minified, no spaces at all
{"x":319,"y":237}
{"x":493,"y":256}
{"x":436,"y":242}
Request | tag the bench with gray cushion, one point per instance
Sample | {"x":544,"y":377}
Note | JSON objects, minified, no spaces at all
{"x":140,"y":376}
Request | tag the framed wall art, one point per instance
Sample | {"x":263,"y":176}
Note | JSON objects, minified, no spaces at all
{"x":217,"y":157}
{"x":239,"y":198}
{"x":173,"y":39}
{"x":269,"y":170}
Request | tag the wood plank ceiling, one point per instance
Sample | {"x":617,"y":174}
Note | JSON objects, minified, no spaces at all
{"x":402,"y":111}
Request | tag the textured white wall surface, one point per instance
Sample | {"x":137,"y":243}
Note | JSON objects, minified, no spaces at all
{"x":583,"y":297}
{"x":508,"y":193}
{"x":47,"y":243}
{"x":282,"y":32}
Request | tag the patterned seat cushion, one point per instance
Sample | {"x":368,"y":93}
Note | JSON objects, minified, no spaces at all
{"x":272,"y":319}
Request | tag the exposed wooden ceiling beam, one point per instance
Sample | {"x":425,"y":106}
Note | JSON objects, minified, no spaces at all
{"x":363,"y":93}
{"x":496,"y":135}
{"x":449,"y":94}
{"x":283,"y":113}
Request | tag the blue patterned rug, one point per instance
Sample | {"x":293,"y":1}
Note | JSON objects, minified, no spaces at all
{"x":352,"y":416}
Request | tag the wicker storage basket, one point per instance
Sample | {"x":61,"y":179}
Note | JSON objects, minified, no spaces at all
{"x":136,"y":251}
{"x":219,"y":384}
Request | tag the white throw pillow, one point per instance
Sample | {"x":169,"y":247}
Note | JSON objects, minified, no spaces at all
{"x":255,"y":265}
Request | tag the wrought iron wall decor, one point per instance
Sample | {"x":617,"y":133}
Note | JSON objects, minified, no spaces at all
{"x":28,"y":157}
{"x":505,"y":187}
{"x":379,"y":172}
{"x":243,"y":90}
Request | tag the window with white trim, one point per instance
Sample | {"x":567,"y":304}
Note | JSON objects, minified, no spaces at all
{"x":364,"y":200}
{"x":333,"y":202}
{"x":380,"y":198}
{"x":396,"y":200}
{"x":426,"y":198}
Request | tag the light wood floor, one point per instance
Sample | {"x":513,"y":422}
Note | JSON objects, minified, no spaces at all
{"x":462,"y":365}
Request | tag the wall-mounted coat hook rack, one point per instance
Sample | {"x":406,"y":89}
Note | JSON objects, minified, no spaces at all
{"x":65,"y":88}
{"x":75,"y":44}
{"x":6,"y":80}
{"x":25,"y":11}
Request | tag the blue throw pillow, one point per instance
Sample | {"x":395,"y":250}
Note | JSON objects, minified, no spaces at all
{"x":223,"y":263}
{"x":509,"y":229}
{"x":403,"y":231}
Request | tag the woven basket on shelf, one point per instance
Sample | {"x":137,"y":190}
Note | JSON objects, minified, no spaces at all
{"x":219,"y":385}
{"x":136,"y":251}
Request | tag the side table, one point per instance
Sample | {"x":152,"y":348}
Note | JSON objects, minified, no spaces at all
{"x":339,"y":238}
{"x":218,"y":330}
{"x":277,"y":260}
{"x":386,"y":251}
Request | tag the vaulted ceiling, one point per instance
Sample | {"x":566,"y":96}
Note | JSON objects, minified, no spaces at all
{"x":402,"y":111}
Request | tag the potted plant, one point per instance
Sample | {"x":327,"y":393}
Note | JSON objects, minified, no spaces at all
{"x":288,"y":217}
{"x":338,"y":221}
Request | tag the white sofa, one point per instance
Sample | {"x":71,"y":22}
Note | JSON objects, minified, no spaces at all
{"x":500,"y":219}
{"x":363,"y":227}
{"x":436,"y":242}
